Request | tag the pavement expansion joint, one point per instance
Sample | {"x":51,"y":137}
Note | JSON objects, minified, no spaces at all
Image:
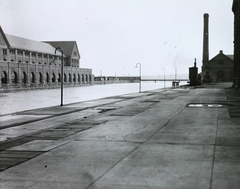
{"x":167,"y":97}
{"x":180,"y":143}
{"x":121,"y":97}
{"x":10,"y":158}
{"x":153,"y":101}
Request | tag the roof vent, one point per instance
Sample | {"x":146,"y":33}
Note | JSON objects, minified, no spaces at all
{"x":221,"y":51}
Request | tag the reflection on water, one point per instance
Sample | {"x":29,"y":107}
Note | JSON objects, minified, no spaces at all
{"x":31,"y":99}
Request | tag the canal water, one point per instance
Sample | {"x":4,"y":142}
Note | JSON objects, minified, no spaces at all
{"x":15,"y":101}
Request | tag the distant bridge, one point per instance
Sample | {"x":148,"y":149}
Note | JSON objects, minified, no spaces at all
{"x":177,"y":80}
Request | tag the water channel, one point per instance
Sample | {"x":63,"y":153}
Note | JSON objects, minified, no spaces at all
{"x":15,"y":101}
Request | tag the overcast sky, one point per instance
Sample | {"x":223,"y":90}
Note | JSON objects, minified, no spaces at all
{"x":113,"y":35}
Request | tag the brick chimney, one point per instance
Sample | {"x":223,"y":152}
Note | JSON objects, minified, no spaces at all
{"x":205,"y":58}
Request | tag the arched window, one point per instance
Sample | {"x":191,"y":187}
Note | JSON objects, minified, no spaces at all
{"x":47,"y":77}
{"x":32,"y":78}
{"x":83,"y":78}
{"x":79,"y":79}
{"x":74,"y":77}
{"x":53,"y":78}
{"x":14,"y":77}
{"x":40,"y":78}
{"x":4,"y":77}
{"x":24,"y":77}
{"x":65,"y":78}
{"x":59,"y":77}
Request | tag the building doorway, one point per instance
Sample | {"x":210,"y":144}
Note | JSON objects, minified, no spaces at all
{"x":220,"y":76}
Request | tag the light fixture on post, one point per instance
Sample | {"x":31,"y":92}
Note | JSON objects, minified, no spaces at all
{"x":139,"y":75}
{"x":59,"y":48}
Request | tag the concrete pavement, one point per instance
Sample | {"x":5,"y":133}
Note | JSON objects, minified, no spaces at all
{"x":167,"y":138}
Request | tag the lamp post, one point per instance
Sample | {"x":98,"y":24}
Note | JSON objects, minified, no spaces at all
{"x":139,"y":75}
{"x":175,"y":74}
{"x":59,"y":48}
{"x":164,"y":76}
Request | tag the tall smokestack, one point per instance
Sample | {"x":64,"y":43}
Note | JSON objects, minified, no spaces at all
{"x":205,"y":40}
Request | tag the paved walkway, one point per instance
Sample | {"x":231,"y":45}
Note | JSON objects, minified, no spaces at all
{"x":181,"y":138}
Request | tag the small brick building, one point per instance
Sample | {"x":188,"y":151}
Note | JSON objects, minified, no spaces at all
{"x":219,"y":68}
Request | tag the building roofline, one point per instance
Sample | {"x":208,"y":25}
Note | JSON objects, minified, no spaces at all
{"x":221,"y":52}
{"x":67,"y":46}
{"x":4,"y":36}
{"x":30,"y":45}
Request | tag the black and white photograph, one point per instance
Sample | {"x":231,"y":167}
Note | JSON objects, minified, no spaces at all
{"x":119,"y":94}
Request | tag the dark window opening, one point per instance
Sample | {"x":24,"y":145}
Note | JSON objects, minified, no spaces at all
{"x":47,"y":78}
{"x":65,"y":78}
{"x":59,"y":77}
{"x":14,"y":78}
{"x":32,"y":78}
{"x":24,"y":77}
{"x":53,"y":77}
{"x":40,"y":78}
{"x":4,"y":78}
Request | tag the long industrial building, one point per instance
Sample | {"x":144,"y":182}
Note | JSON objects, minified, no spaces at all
{"x":26,"y":63}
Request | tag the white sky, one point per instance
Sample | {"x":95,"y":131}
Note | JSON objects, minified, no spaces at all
{"x":113,"y":35}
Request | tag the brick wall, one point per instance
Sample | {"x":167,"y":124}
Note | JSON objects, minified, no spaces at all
{"x":236,"y":11}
